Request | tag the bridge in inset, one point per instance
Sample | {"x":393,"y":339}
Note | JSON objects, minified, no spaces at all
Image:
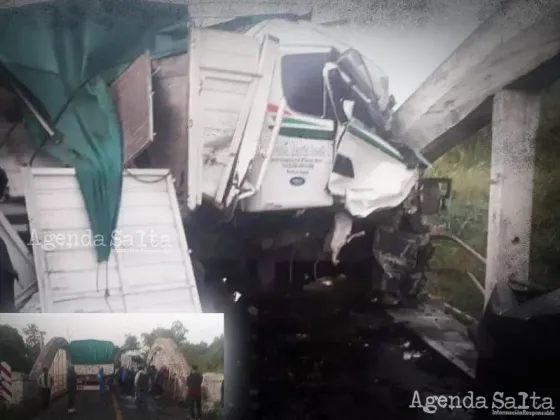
{"x":55,"y":357}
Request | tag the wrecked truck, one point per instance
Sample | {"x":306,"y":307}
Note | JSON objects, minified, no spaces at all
{"x":277,"y":153}
{"x":292,"y":170}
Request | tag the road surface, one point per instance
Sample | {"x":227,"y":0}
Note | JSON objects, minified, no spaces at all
{"x":89,"y":406}
{"x":354,"y":364}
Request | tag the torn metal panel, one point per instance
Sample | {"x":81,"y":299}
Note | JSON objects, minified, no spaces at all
{"x":171,"y":119}
{"x":380,"y":177}
{"x":342,"y":231}
{"x":132,"y":93}
{"x":403,"y":256}
{"x":511,"y":301}
{"x":517,"y":344}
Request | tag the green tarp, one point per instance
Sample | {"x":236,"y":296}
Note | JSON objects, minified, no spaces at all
{"x":66,"y":53}
{"x":91,"y":352}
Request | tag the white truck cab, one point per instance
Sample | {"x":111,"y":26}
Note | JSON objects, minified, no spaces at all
{"x":291,"y":119}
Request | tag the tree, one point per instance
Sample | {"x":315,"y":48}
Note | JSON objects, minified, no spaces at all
{"x":131,"y":342}
{"x":34,"y":340}
{"x":208,"y":357}
{"x":177,"y":332}
{"x":13,"y":350}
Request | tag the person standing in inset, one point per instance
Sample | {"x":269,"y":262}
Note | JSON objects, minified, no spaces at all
{"x":142,"y":384}
{"x":124,"y":380}
{"x":157,"y":386}
{"x":131,"y":377}
{"x":222,"y":395}
{"x":101,"y":382}
{"x":46,"y":383}
{"x":194,"y":393}
{"x":72,"y":385}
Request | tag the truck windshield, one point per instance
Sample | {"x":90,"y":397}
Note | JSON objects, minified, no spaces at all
{"x":352,"y":63}
{"x":349,"y":79}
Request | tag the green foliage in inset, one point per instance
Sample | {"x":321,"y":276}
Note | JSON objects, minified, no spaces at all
{"x":13,"y":350}
{"x":209,"y":357}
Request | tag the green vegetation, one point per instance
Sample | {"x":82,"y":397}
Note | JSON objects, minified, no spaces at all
{"x":467,"y":216}
{"x":20,"y":351}
{"x":209,"y":357}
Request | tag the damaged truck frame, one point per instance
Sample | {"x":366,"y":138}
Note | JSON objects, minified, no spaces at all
{"x":280,"y":144}
{"x":292,"y":170}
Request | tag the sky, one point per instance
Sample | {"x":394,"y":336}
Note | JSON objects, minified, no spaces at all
{"x":113,"y":327}
{"x":408,"y":39}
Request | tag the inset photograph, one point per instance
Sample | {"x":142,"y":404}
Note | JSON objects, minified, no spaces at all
{"x":111,"y":366}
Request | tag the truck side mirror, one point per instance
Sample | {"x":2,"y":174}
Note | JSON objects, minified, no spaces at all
{"x":433,"y":194}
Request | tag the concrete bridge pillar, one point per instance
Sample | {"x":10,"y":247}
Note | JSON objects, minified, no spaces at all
{"x":515,"y":120}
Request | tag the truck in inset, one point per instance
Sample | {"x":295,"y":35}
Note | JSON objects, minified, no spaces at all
{"x":88,"y":357}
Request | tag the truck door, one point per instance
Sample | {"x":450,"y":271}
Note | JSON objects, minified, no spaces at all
{"x":298,"y":153}
{"x":368,"y":172}
{"x":230,"y":79}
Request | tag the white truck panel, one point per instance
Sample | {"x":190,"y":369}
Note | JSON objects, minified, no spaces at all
{"x":144,"y":274}
{"x":91,"y":372}
{"x":296,"y":176}
{"x":82,"y":370}
{"x":230,"y":78}
{"x":254,"y":127}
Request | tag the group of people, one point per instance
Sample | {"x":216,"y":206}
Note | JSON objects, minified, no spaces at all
{"x":149,"y":382}
{"x":136,"y":383}
{"x":146,"y":382}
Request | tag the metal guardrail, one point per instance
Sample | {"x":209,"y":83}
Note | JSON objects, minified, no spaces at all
{"x":479,"y":285}
{"x":450,"y":238}
{"x":464,"y":245}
